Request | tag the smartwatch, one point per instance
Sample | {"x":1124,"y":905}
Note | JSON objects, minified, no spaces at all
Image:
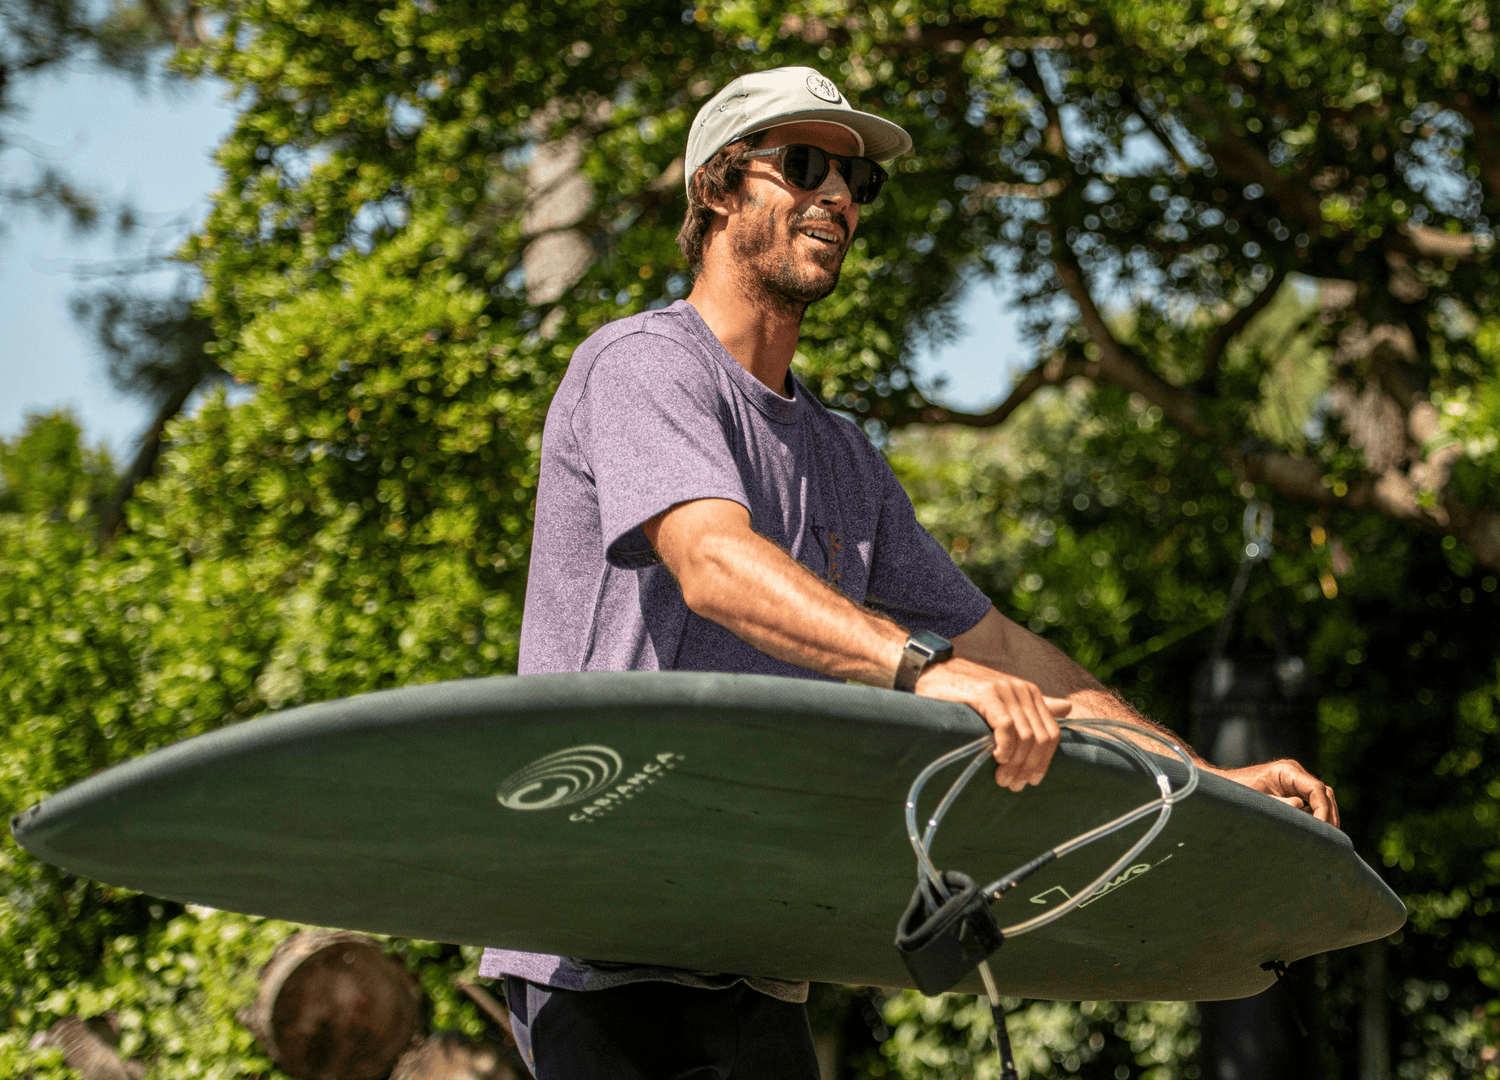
{"x":922,"y":648}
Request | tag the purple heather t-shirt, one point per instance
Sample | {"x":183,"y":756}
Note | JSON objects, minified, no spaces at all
{"x":653,"y":411}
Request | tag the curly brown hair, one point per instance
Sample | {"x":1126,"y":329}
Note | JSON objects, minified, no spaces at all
{"x":719,"y":177}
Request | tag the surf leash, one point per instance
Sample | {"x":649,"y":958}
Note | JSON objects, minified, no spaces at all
{"x":948,"y":930}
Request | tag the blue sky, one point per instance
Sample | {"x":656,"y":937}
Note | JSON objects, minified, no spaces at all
{"x":153,"y":147}
{"x":150,"y":146}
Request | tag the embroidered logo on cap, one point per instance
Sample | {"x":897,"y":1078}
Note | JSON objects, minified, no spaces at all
{"x":823,"y":87}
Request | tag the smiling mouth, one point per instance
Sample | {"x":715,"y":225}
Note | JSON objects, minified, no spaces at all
{"x":823,"y":233}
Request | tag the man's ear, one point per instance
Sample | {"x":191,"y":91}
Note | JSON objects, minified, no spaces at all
{"x":723,"y":206}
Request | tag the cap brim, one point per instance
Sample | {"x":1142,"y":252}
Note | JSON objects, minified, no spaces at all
{"x":883,"y":139}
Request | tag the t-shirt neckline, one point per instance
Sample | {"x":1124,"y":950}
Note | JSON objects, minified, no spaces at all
{"x":780,"y":409}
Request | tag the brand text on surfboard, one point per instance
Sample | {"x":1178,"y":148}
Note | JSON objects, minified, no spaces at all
{"x":580,"y":774}
{"x":629,"y":788}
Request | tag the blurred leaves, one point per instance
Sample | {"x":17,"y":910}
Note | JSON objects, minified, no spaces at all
{"x":1149,"y":178}
{"x":48,"y":470}
{"x":951,"y":1037}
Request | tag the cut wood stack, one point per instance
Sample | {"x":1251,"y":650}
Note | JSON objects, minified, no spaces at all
{"x":450,"y":1056}
{"x":88,"y":1046}
{"x":333,"y":1006}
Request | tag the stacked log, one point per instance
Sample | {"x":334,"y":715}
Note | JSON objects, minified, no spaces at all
{"x":450,"y":1056}
{"x":333,"y":1006}
{"x":88,"y":1047}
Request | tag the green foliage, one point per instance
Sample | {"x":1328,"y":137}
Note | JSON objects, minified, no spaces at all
{"x":174,"y":990}
{"x":1085,"y":520}
{"x":952,"y":1037}
{"x":47,"y":469}
{"x":107,"y":657}
{"x":363,"y":519}
{"x":1472,"y":414}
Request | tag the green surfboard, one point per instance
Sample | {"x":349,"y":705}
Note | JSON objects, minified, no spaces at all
{"x":737,"y":823}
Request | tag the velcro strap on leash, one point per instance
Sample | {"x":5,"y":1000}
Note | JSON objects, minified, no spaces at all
{"x":940,"y":947}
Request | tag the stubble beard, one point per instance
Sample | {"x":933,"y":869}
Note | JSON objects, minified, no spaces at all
{"x":782,"y":284}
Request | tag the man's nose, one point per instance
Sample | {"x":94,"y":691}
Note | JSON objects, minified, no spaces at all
{"x":834,"y":190}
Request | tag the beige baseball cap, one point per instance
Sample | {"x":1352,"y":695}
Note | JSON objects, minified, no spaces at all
{"x":785,"y":95}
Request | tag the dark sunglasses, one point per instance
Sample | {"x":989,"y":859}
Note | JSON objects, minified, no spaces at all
{"x":806,"y":167}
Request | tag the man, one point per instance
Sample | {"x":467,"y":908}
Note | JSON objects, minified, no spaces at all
{"x":699,"y":510}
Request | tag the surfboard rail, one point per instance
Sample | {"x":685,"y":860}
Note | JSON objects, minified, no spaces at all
{"x":738,"y":823}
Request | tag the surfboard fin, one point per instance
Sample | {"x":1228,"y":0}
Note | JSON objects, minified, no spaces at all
{"x":940,"y":945}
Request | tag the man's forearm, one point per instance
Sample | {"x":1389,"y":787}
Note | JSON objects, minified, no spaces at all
{"x":1001,"y":644}
{"x":742,"y":581}
{"x":1107,"y":705}
{"x":763,"y":596}
{"x":1013,"y":679}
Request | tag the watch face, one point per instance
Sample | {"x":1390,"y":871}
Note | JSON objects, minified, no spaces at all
{"x":933,"y":644}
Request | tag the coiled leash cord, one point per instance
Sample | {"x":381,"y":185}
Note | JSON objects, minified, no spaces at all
{"x":949,"y":930}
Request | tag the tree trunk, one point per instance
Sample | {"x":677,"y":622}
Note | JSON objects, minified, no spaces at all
{"x":557,"y":196}
{"x":88,"y":1047}
{"x":450,"y":1056}
{"x":333,"y":1006}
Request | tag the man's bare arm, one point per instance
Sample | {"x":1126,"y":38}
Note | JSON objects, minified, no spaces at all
{"x":748,"y":585}
{"x":999,"y":643}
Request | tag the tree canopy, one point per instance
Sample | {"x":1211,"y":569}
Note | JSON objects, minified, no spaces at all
{"x":1254,"y":248}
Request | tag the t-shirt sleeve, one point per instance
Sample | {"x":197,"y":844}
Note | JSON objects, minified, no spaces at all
{"x":652,"y":428}
{"x":912,"y":579}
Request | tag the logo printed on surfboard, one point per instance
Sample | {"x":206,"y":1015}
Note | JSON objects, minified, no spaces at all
{"x":561,"y":778}
{"x":628,"y":788}
{"x":1125,"y":877}
{"x":581,"y":774}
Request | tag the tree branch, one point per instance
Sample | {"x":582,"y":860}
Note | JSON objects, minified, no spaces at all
{"x":183,"y":29}
{"x":1157,"y":129}
{"x":1246,"y":164}
{"x":1045,"y":190}
{"x":1054,"y":371}
{"x":1425,"y":242}
{"x":1228,"y":331}
{"x":492,"y":1008}
{"x":1390,"y":494}
{"x":1119,"y":365}
{"x":145,"y":459}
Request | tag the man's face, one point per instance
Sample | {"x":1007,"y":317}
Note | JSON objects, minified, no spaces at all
{"x":788,"y":241}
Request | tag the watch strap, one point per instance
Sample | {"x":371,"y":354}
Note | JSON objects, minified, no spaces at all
{"x":922,"y":648}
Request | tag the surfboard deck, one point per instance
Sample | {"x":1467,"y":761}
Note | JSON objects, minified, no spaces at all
{"x":738,"y":823}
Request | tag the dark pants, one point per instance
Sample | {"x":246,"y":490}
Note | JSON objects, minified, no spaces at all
{"x":660,"y":1031}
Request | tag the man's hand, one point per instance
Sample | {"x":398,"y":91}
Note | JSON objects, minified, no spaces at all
{"x":1289,"y":782}
{"x":1023,"y":718}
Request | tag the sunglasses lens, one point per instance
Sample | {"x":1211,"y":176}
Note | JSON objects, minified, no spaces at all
{"x":805,"y":167}
{"x":864,"y":179}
